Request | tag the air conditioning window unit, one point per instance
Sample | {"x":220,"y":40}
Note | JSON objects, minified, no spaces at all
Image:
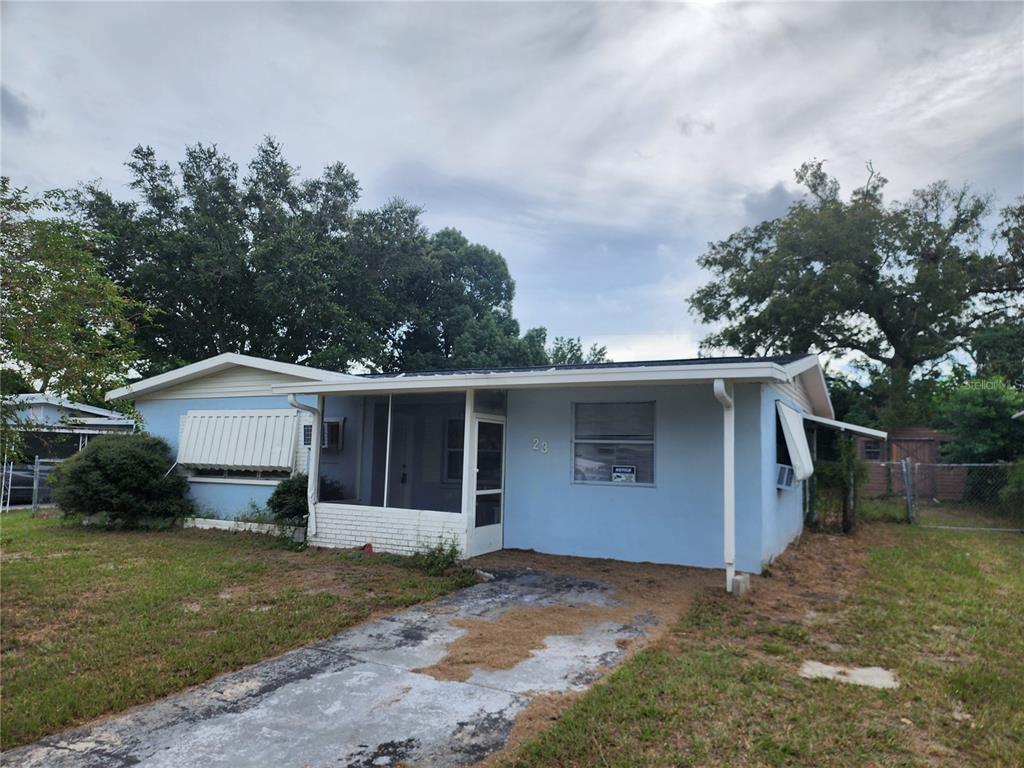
{"x":783,"y":476}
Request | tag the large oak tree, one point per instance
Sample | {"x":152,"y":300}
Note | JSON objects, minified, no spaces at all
{"x":269,"y":264}
{"x":904,"y":284}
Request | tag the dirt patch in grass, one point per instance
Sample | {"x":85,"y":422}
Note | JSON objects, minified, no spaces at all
{"x":660,"y":591}
{"x":503,"y":642}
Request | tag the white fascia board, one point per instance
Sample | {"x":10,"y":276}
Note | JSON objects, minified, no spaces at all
{"x":216,"y":365}
{"x":813,"y":379}
{"x":553,"y":377}
{"x":845,"y":426}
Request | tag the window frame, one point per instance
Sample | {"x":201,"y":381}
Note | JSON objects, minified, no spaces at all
{"x":872,"y":445}
{"x":653,"y":442}
{"x":447,"y":450}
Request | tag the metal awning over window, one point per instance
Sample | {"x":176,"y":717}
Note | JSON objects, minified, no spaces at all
{"x":252,"y":440}
{"x":845,"y":426}
{"x":796,"y":441}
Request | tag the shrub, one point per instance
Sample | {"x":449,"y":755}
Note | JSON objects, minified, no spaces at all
{"x":124,"y":480}
{"x":439,"y":560}
{"x":288,"y":504}
{"x":832,"y":488}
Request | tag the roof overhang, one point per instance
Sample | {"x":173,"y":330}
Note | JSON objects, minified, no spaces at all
{"x":845,"y":426}
{"x":218,"y":364}
{"x":62,"y":402}
{"x":807,"y":369}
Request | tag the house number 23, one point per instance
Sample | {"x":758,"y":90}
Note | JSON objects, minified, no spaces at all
{"x":540,"y":445}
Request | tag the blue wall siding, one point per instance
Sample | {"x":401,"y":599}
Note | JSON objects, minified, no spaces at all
{"x":783,"y":516}
{"x":227,"y":500}
{"x":678,"y":521}
{"x":223,"y":500}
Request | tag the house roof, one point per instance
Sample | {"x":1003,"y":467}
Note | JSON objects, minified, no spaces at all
{"x":780,"y":359}
{"x":61,"y":402}
{"x":221,"y":363}
{"x":779,"y":368}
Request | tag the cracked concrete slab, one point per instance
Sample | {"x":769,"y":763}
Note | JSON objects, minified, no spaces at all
{"x":354,"y":699}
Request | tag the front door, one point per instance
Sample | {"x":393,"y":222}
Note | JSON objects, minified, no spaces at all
{"x":485,"y":532}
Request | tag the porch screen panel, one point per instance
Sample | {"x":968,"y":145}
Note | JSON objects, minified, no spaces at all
{"x":352,"y":466}
{"x":613,"y":443}
{"x":426,"y":451}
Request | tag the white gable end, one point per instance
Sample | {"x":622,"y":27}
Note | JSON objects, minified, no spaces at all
{"x":240,"y":381}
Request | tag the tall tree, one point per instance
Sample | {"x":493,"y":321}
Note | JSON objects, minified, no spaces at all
{"x":290,"y":269}
{"x":568,"y":350}
{"x":63,"y":325}
{"x":903,"y":284}
{"x":462,"y":294}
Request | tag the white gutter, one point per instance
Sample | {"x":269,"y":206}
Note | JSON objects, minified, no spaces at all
{"x":312,"y":485}
{"x":724,"y":395}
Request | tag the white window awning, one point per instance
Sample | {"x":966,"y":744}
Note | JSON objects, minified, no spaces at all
{"x":245,"y":440}
{"x":845,"y":426}
{"x":796,"y":441}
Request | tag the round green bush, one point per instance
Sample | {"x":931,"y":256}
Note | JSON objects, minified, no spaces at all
{"x":122,"y":481}
{"x":288,"y":502}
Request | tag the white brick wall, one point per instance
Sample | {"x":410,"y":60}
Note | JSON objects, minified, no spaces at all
{"x":402,"y":531}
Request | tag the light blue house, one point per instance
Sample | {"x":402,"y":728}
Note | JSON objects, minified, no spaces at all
{"x":696,"y":462}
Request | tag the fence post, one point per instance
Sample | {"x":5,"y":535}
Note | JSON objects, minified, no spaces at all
{"x":35,"y":487}
{"x":908,"y":493}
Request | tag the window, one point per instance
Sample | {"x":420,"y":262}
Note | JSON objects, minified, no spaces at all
{"x":454,"y":435}
{"x":873,"y":450}
{"x":613,"y":443}
{"x":241,"y":474}
{"x":331,"y":434}
{"x":781,"y":448}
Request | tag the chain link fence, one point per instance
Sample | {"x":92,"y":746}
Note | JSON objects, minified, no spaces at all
{"x":25,"y":485}
{"x":954,"y":494}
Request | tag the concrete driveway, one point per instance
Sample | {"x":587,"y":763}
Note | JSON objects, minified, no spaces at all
{"x":378,"y":694}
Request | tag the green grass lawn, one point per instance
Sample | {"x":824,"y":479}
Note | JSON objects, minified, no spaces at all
{"x":95,"y":621}
{"x":944,"y":609}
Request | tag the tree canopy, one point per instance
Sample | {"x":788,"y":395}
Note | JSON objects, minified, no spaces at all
{"x":568,"y":350}
{"x":273,"y":265}
{"x":63,"y":325}
{"x":902,"y":284}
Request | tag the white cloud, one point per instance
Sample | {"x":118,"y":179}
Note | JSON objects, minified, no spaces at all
{"x":553,"y":132}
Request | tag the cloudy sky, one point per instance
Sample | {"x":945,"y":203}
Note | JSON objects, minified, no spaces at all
{"x":598,"y":147}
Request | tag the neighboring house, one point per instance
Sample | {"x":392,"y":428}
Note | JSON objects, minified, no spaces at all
{"x":696,"y":462}
{"x":922,"y":445}
{"x":55,"y":428}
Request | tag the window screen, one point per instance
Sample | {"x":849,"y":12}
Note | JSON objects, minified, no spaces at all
{"x":614,"y":443}
{"x":453,"y":439}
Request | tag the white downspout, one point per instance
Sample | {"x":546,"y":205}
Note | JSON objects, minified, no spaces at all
{"x":724,"y":395}
{"x":312,"y":486}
